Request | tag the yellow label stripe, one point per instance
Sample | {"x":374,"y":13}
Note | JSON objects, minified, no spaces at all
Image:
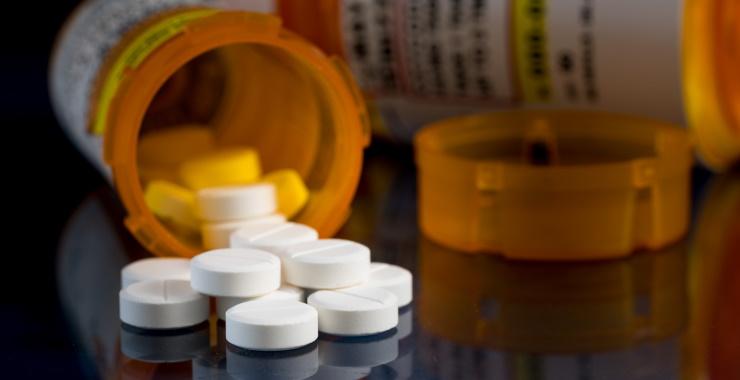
{"x":135,"y":54}
{"x":531,"y":53}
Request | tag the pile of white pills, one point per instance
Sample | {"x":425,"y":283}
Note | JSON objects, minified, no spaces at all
{"x":260,"y":282}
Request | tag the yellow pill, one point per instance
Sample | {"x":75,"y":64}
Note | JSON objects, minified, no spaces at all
{"x":292,"y":193}
{"x":170,"y":147}
{"x":228,"y":167}
{"x":172,"y":203}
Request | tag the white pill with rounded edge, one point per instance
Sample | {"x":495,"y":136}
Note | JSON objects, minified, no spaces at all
{"x":272,"y":237}
{"x":162,"y":304}
{"x":155,"y":268}
{"x":355,"y":312}
{"x":271,"y":325}
{"x":235,"y":273}
{"x":326,"y":264}
{"x":394,"y":279}
{"x":217,"y":235}
{"x":221,"y":204}
{"x":286,"y":292}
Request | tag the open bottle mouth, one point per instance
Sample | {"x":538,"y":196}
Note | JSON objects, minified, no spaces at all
{"x":243,"y":96}
{"x":240,"y":82}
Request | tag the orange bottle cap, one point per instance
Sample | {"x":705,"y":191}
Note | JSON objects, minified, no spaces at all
{"x":553,"y":185}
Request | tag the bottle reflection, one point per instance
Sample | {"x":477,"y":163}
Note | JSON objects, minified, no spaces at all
{"x":586,"y":319}
{"x":712,"y":345}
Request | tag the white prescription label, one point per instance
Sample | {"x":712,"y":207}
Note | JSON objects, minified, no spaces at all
{"x":426,"y":59}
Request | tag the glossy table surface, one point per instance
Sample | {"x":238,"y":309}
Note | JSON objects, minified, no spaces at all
{"x":669,"y":314}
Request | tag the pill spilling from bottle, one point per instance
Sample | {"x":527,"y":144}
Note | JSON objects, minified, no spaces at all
{"x":275,"y":283}
{"x":203,"y":193}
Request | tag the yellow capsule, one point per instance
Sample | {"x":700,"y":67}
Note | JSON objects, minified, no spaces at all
{"x":292,"y":193}
{"x":226,"y":167}
{"x":172,"y":203}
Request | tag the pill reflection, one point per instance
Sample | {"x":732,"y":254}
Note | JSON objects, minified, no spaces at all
{"x":359,"y":352}
{"x":301,"y":363}
{"x":403,"y":366}
{"x":164,"y":346}
{"x":327,"y":372}
{"x":355,"y":357}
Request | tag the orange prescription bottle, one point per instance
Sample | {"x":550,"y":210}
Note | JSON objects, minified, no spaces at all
{"x":420,"y":61}
{"x":122,"y":69}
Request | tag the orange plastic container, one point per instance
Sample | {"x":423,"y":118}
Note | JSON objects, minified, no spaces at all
{"x":253,"y":82}
{"x":553,"y":185}
{"x":421,"y":62}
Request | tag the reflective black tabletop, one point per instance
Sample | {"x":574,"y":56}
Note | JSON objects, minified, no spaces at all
{"x":670,"y":314}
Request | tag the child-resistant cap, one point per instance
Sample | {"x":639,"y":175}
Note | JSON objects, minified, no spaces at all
{"x":553,"y":185}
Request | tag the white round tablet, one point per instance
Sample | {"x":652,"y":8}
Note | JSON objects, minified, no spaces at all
{"x":326,"y":264}
{"x":356,"y":311}
{"x":394,"y":279}
{"x":155,"y":268}
{"x":235,"y":273}
{"x":272,"y":237}
{"x":217,"y":235}
{"x":286,"y":292}
{"x":162,"y":304}
{"x":220,"y":204}
{"x":271,"y":325}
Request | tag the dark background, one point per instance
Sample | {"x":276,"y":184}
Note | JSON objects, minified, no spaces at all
{"x":45,"y":180}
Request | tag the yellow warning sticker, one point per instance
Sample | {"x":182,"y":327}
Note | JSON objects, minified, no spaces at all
{"x":530,"y":46}
{"x":135,"y":54}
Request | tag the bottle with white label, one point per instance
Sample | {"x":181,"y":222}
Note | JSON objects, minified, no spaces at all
{"x":422,"y":60}
{"x":205,"y":75}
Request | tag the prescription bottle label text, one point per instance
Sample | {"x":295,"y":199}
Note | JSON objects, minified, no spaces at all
{"x":423,"y":60}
